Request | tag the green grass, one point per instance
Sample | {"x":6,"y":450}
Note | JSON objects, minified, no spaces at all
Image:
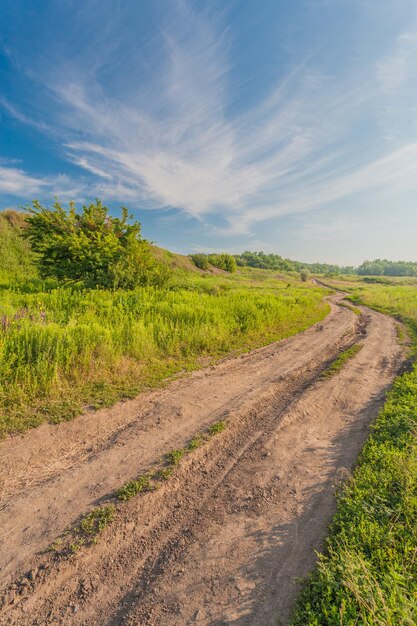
{"x":337,"y":364}
{"x":174,"y":457}
{"x":95,"y":522}
{"x":149,"y":482}
{"x":354,"y":309}
{"x":196,"y":442}
{"x":133,"y":487}
{"x":65,"y":349}
{"x":86,"y":533}
{"x":367,"y":574}
{"x":216,"y":428}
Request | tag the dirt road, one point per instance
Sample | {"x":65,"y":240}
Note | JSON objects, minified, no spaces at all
{"x":224,"y":540}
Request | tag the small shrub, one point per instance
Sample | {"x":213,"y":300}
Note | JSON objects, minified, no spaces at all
{"x":225,"y":262}
{"x":200,"y":261}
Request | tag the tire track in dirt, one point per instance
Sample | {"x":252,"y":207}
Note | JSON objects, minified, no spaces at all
{"x":53,"y":474}
{"x":224,"y":541}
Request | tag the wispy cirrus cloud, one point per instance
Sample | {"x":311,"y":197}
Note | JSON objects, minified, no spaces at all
{"x":172,"y":138}
{"x":16,"y":182}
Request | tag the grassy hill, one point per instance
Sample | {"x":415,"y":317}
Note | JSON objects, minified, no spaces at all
{"x":65,"y":348}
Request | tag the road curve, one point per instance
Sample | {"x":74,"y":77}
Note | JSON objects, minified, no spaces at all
{"x":225,"y":539}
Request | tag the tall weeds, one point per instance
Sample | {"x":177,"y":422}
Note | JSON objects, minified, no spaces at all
{"x":62,"y":349}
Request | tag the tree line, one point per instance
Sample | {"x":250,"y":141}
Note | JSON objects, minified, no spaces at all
{"x":276,"y":262}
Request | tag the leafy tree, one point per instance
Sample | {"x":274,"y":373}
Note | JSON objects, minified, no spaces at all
{"x":304,"y":275}
{"x":91,"y":247}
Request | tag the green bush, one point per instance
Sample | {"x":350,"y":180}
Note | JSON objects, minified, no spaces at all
{"x":91,"y":247}
{"x":200,"y":261}
{"x":17,"y":261}
{"x":225,"y":262}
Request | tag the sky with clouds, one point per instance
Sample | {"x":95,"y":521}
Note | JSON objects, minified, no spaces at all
{"x":287,"y":126}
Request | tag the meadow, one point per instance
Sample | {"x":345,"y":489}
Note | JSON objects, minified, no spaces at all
{"x":367,"y":573}
{"x":65,"y":349}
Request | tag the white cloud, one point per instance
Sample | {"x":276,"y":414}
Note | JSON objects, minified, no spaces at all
{"x":16,"y":182}
{"x":172,"y":142}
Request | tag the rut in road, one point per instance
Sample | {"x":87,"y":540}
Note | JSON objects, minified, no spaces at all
{"x":53,"y":474}
{"x":226,"y":538}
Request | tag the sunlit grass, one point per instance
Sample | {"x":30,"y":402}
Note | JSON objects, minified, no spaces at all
{"x":64,"y":349}
{"x":367,"y":573}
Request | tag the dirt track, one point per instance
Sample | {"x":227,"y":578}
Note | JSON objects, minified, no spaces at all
{"x":224,"y":540}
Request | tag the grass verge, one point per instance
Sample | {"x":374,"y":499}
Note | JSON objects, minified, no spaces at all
{"x":64,"y":349}
{"x":367,"y":574}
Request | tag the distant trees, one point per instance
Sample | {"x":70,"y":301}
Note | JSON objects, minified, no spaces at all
{"x":91,"y":247}
{"x":261,"y":260}
{"x":276,"y":262}
{"x":264,"y":261}
{"x":383,"y":267}
{"x":224,"y":262}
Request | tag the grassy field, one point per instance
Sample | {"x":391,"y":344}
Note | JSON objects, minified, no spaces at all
{"x":368,"y":572}
{"x":63,"y":349}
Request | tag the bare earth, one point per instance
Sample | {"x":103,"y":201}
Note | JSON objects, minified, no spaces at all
{"x":223,"y":541}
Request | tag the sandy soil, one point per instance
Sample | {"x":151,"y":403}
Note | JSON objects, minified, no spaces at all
{"x":226,"y":538}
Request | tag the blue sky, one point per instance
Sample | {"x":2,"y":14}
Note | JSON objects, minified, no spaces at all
{"x":287,"y":126}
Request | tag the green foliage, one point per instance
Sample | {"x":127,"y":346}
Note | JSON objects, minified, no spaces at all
{"x":87,"y":533}
{"x":264,"y":261}
{"x":354,"y":309}
{"x":216,"y":428}
{"x":367,"y":574}
{"x":200,"y":261}
{"x":224,"y":262}
{"x":383,"y":267}
{"x":95,"y":522}
{"x":164,"y":473}
{"x":17,"y":261}
{"x":338,"y":363}
{"x":174,"y":456}
{"x":133,"y":487}
{"x":65,"y":348}
{"x":304,"y":275}
{"x":149,"y":482}
{"x":276,"y":262}
{"x":91,"y":247}
{"x":196,"y":442}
